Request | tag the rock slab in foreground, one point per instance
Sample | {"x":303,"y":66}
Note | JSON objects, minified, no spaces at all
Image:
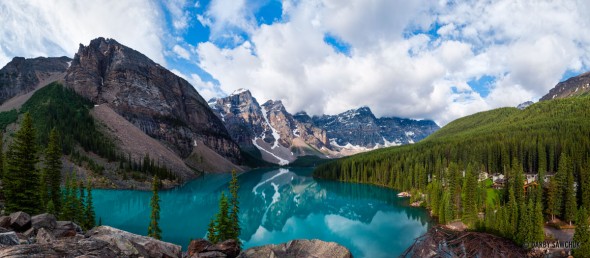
{"x":299,"y":248}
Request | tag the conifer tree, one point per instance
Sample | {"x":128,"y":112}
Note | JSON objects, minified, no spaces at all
{"x":89,"y":216}
{"x":570,"y":197}
{"x":553,"y":205}
{"x":585,"y":186}
{"x":582,"y":234}
{"x":154,"y":229}
{"x":52,"y":171}
{"x":21,"y":178}
{"x":211,"y":232}
{"x":1,"y":155}
{"x":234,"y":186}
{"x":469,"y":197}
{"x":222,"y":222}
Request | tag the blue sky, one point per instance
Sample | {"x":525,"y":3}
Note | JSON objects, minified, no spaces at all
{"x":420,"y":59}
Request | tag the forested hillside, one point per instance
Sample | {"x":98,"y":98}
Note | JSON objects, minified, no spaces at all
{"x":550,"y":137}
{"x":56,"y":107}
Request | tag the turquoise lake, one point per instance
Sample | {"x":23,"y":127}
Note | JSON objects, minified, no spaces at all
{"x":276,"y":205}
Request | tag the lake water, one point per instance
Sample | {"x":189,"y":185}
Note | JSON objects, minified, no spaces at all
{"x":277,"y":205}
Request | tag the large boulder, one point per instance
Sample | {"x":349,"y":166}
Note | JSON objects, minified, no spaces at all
{"x":5,"y":221}
{"x":229,"y":247}
{"x":20,"y":221}
{"x":45,"y":220}
{"x":134,"y":245}
{"x":299,"y":248}
{"x":44,"y":236}
{"x":197,"y":246}
{"x":66,"y":229}
{"x":8,"y":238}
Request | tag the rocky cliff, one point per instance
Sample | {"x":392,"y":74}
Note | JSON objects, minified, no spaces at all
{"x":359,"y":129}
{"x":575,"y":86}
{"x":21,"y":75}
{"x":163,"y":105}
{"x":268,"y":129}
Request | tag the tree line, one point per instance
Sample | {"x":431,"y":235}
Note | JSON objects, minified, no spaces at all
{"x":36,"y":190}
{"x":548,"y":138}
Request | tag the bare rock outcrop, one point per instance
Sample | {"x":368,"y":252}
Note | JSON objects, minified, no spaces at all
{"x":299,"y":248}
{"x":21,"y":75}
{"x":160,"y":103}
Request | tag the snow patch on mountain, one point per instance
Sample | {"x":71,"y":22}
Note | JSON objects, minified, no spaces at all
{"x":282,"y":161}
{"x":275,"y":133}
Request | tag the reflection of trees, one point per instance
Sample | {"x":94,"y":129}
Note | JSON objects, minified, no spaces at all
{"x":302,"y":195}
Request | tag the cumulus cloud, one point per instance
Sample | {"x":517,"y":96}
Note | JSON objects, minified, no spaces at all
{"x":181,"y":52}
{"x":407,"y":58}
{"x":55,"y":28}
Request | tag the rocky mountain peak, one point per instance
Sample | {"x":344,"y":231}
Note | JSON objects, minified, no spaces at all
{"x":574,"y":86}
{"x":23,"y":75}
{"x":524,"y":105}
{"x":163,"y":105}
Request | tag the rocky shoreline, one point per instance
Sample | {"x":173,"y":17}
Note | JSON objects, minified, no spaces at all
{"x":44,"y":236}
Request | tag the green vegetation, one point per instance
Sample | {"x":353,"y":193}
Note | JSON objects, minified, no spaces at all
{"x":154,"y":228}
{"x":21,"y":179}
{"x":62,"y":109}
{"x":550,"y":137}
{"x":226,"y":224}
{"x":77,"y":203}
{"x":582,"y":234}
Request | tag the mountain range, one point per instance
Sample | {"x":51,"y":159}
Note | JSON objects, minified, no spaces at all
{"x":269,"y":131}
{"x":147,"y":111}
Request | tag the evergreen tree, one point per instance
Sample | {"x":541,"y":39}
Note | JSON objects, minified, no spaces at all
{"x":234,"y":186}
{"x":469,"y":196}
{"x":222,"y":222}
{"x":211,"y":232}
{"x":89,"y":216}
{"x":553,"y":205}
{"x":154,"y":229}
{"x":21,"y":178}
{"x":570,"y":197}
{"x":582,"y":234}
{"x":52,"y":172}
{"x":539,"y":221}
{"x":1,"y":155}
{"x":585,"y":186}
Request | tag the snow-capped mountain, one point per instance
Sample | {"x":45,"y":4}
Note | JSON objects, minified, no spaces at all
{"x":272,"y":133}
{"x":268,"y":130}
{"x":359,"y":129}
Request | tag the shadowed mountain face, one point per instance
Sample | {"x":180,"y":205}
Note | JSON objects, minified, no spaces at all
{"x":575,"y":86}
{"x":163,"y":105}
{"x":21,"y":75}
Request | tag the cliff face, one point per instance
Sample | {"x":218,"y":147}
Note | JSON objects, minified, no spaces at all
{"x":163,"y":105}
{"x":268,"y":128}
{"x":22,"y":75}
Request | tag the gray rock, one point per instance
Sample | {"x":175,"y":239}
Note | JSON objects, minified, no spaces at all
{"x":22,"y":75}
{"x":45,"y":220}
{"x":9,"y":238}
{"x":5,"y":221}
{"x":4,"y":230}
{"x":30,"y":232}
{"x":44,"y":236}
{"x":210,"y":254}
{"x":66,"y":229}
{"x":197,"y":246}
{"x":228,"y":247}
{"x":134,"y":245}
{"x":20,"y":221}
{"x":299,"y":248}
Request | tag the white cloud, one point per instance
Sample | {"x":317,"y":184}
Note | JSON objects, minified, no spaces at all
{"x":55,"y":28}
{"x":526,"y":46}
{"x":226,"y":18}
{"x":179,"y":16}
{"x":181,"y":52}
